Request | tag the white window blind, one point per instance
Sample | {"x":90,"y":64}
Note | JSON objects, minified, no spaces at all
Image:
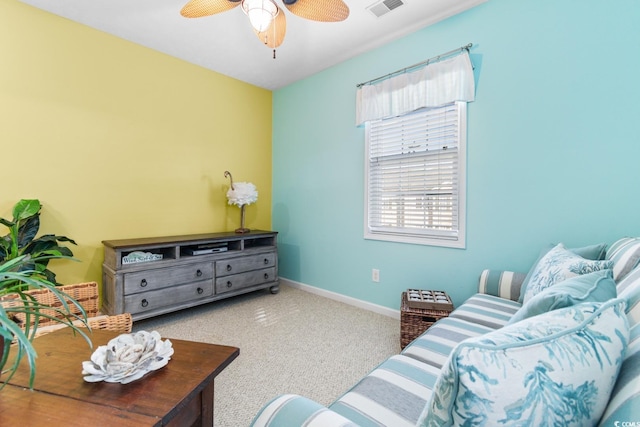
{"x":415,"y":176}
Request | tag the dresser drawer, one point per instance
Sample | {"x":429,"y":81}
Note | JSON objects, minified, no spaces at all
{"x":244,"y":280}
{"x":152,"y":300}
{"x":158,"y":278}
{"x":248,"y":263}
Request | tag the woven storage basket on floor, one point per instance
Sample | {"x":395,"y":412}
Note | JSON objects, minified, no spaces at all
{"x":86,"y":294}
{"x":118,"y":323}
{"x":414,"y":321}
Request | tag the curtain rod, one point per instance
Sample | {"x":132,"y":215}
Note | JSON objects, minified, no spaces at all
{"x":426,"y":62}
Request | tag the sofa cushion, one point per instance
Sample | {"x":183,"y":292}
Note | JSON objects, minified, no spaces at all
{"x":486,"y":310}
{"x":501,"y":283}
{"x":557,"y":368}
{"x":624,"y":402}
{"x":625,"y":254}
{"x":595,"y":252}
{"x":291,"y":409}
{"x":434,"y":346}
{"x":592,"y":287}
{"x":630,"y":284}
{"x":557,"y":265}
{"x":393,"y":394}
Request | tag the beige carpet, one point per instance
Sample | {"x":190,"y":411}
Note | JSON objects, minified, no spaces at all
{"x":291,"y":342}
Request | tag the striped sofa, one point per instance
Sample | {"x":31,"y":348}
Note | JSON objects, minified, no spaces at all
{"x":396,"y":393}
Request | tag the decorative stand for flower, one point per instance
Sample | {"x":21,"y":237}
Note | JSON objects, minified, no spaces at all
{"x":242,"y":228}
{"x":241,"y":194}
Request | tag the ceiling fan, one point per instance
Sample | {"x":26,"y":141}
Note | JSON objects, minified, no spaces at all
{"x":267,"y":18}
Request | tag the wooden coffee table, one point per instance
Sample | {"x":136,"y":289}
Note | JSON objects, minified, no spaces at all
{"x":180,"y":394}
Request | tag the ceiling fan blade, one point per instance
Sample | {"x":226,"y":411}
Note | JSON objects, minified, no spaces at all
{"x":200,"y":8}
{"x":274,"y":35}
{"x":323,"y":11}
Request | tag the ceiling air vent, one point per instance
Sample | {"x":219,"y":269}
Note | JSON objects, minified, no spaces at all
{"x":383,"y":7}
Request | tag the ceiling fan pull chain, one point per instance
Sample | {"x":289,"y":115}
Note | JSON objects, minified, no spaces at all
{"x":275,"y":39}
{"x":266,"y":42}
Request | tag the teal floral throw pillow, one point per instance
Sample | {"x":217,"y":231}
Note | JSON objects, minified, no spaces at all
{"x":557,"y":265}
{"x":592,"y":287}
{"x":558,"y":368}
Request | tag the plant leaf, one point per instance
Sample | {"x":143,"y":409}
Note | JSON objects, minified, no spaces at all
{"x":14,"y":274}
{"x":25,"y":208}
{"x":66,"y":239}
{"x":27,"y":230}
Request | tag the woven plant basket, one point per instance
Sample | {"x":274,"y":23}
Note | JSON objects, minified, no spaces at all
{"x":414,"y":321}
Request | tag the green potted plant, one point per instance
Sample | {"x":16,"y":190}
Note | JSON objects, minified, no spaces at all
{"x":22,"y":240}
{"x":23,"y":266}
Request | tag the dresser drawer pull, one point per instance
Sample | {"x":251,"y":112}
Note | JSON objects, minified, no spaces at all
{"x":144,"y":303}
{"x":199,"y":273}
{"x":143,"y":283}
{"x":266,"y":261}
{"x":200,"y":291}
{"x":266,"y":276}
{"x":229,"y":284}
{"x":229,"y":267}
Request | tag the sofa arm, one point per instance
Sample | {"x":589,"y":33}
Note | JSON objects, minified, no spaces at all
{"x":504,"y":284}
{"x":291,"y":410}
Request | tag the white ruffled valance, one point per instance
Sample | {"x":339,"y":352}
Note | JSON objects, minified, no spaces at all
{"x":436,"y":84}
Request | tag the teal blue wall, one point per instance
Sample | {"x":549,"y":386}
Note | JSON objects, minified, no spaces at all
{"x":553,"y":149}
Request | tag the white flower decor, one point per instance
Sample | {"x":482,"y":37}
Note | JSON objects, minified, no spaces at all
{"x":242,"y":193}
{"x":127,"y":357}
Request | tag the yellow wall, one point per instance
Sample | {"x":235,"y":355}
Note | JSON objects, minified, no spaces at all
{"x":119,"y":141}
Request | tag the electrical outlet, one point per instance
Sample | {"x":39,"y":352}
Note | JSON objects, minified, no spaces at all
{"x":375,"y":275}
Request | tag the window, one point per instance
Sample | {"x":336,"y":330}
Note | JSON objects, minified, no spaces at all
{"x":415,"y":177}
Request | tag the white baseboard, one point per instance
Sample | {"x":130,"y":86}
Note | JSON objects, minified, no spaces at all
{"x":386,"y":311}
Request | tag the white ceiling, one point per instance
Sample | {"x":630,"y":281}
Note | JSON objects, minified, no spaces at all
{"x":225,"y":42}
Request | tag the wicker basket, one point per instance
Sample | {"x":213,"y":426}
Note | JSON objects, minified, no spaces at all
{"x":86,"y":294}
{"x":433,"y":300}
{"x":414,"y":321}
{"x":118,"y":323}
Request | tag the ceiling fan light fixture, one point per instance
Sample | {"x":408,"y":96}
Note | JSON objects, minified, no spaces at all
{"x":260,"y":12}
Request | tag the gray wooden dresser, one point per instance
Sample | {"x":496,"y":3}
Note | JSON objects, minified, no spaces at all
{"x":151,"y":276}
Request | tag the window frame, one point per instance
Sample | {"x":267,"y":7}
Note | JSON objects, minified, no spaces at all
{"x":431,"y":239}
